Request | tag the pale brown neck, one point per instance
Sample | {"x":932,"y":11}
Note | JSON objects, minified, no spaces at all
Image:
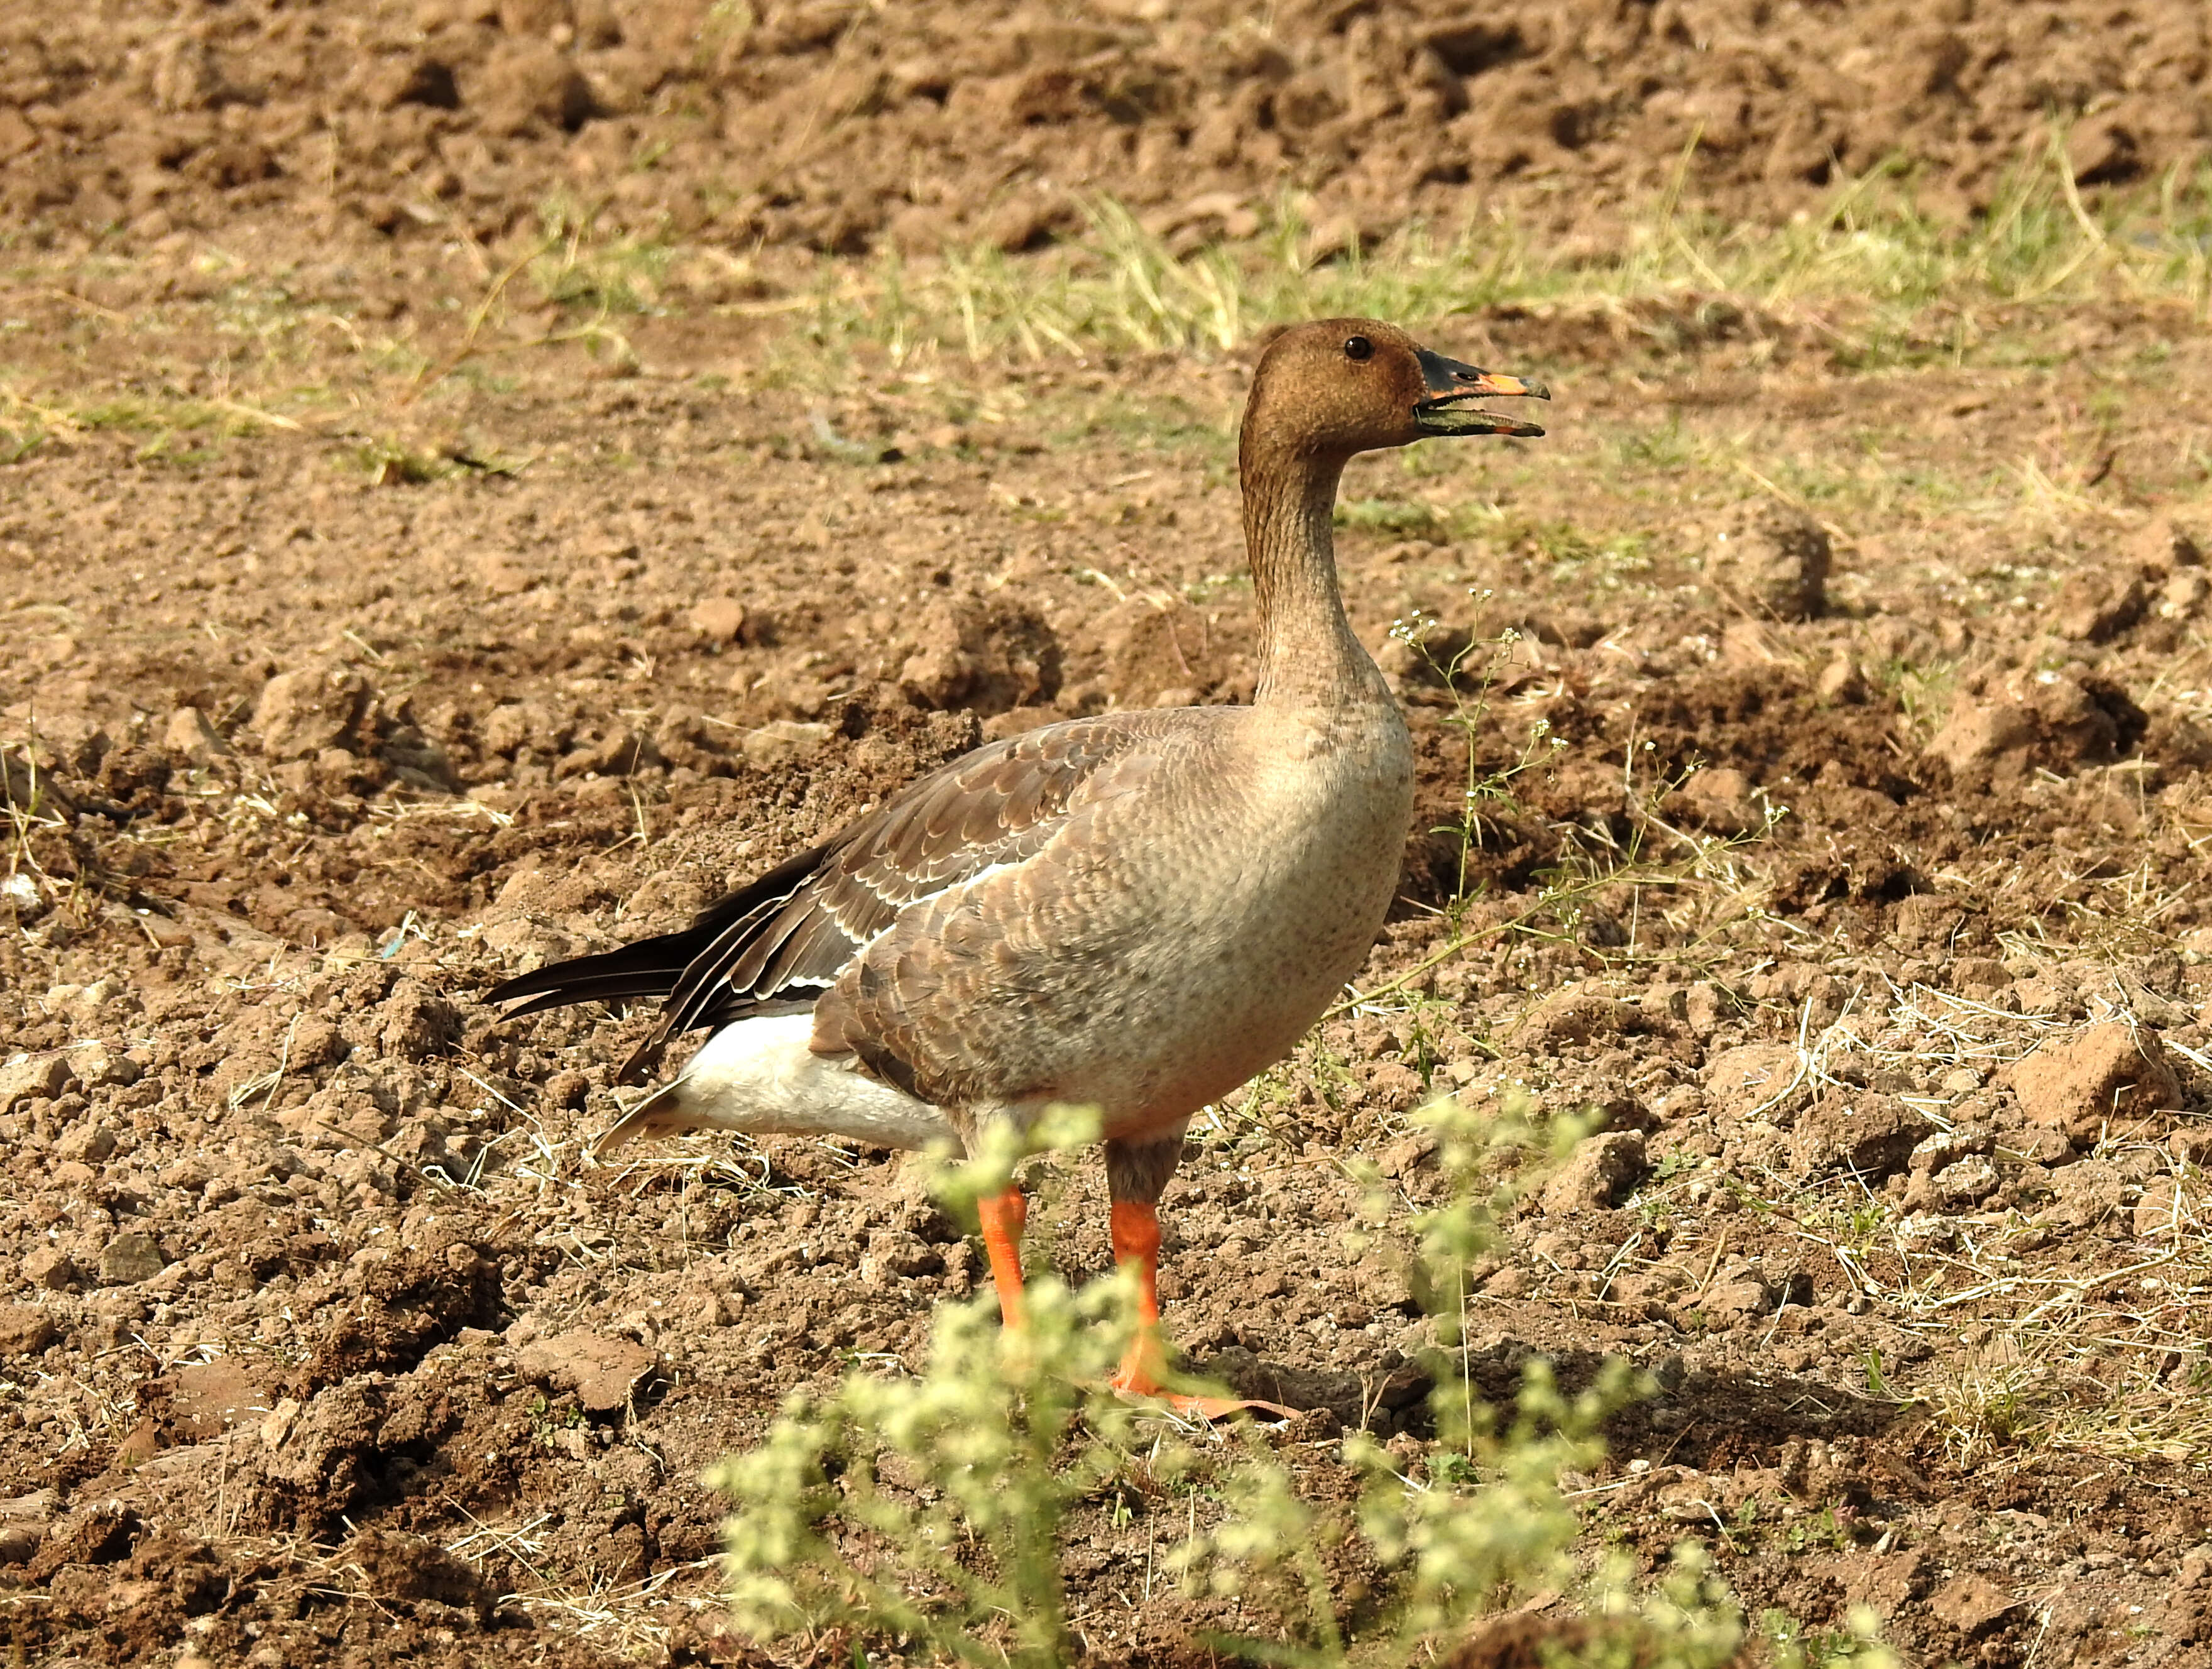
{"x":1308,"y":654}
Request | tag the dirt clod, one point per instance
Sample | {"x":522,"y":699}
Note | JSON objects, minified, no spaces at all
{"x":2103,"y":1076}
{"x":130,"y":1257}
{"x":2089,"y":1195}
{"x":101,"y":1533}
{"x":50,"y":1269}
{"x":2050,"y":720}
{"x":418,"y":1022}
{"x":1774,"y":558}
{"x":209,"y":1398}
{"x":1970,"y":1604}
{"x":38,"y":1076}
{"x":1601,"y":1172}
{"x":2096,"y":606}
{"x":1865,"y":1136}
{"x":1766,"y":1079}
{"x":721,"y":618}
{"x":1719,"y":798}
{"x":398,"y":1567}
{"x":25,"y":1330}
{"x":604,"y":1372}
{"x":301,"y":713}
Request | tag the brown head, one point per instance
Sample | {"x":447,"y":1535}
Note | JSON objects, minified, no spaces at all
{"x":1339,"y":386}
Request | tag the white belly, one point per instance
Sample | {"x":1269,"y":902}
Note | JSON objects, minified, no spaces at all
{"x":759,"y":1078}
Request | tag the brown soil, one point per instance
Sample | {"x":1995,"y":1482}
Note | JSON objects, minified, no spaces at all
{"x":840,"y":128}
{"x":324,"y":1343}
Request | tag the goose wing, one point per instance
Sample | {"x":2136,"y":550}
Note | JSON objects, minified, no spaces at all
{"x":778,"y":943}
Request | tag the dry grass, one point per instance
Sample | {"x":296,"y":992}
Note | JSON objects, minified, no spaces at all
{"x":1878,"y":279}
{"x":2033,"y":1353}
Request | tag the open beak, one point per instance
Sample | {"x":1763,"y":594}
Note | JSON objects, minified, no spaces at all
{"x":1450,"y":383}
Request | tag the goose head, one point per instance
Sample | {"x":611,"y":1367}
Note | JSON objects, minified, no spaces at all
{"x":1339,"y":386}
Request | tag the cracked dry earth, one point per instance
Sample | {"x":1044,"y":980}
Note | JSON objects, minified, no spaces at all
{"x":1849,"y":861}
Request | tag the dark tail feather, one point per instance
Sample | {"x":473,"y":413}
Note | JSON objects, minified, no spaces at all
{"x":657,"y":966}
{"x":645,"y":1060}
{"x":649,"y":968}
{"x":612,"y":989}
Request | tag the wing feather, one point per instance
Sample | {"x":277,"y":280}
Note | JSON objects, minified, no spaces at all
{"x":781,"y":941}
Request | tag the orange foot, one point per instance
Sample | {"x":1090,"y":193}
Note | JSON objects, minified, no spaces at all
{"x":1138,"y":1379}
{"x":1202,"y":1408}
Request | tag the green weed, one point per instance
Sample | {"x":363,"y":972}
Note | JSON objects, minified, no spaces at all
{"x":1818,"y":1532}
{"x":1877,"y":1378}
{"x":955,"y":1483}
{"x":574,"y":268}
{"x":1580,"y":561}
{"x":1796,"y":1646}
{"x":392,"y":464}
{"x":927,"y":1514}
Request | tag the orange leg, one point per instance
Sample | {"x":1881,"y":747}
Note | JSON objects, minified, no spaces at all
{"x":1135,"y":1230}
{"x":1136,"y":1234}
{"x":1004,"y":1216}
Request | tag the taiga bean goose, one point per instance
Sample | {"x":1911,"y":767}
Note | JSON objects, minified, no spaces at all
{"x":1135,"y":911}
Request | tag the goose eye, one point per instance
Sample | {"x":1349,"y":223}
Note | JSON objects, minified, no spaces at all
{"x":1359,"y":348}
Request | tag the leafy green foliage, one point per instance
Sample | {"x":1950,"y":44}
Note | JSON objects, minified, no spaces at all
{"x":928,"y":1513}
{"x":955,"y":1484}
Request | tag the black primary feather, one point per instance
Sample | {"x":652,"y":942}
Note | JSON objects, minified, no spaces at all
{"x":653,"y":967}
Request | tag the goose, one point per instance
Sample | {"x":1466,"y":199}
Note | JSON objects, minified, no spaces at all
{"x":1134,"y":912}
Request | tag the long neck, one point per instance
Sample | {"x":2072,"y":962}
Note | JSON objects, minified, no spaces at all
{"x":1308,"y":654}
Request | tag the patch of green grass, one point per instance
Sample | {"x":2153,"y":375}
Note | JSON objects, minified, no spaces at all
{"x":1818,"y":1531}
{"x":1794,"y":1644}
{"x":184,"y":432}
{"x":1922,"y":694}
{"x":162,"y":416}
{"x":1397,"y":516}
{"x":1872,"y":281}
{"x":1879,"y":279}
{"x":619,"y":275}
{"x":1581,"y":561}
{"x":392,"y":464}
{"x":1156,"y":424}
{"x":1667,"y":447}
{"x":1877,"y":1378}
